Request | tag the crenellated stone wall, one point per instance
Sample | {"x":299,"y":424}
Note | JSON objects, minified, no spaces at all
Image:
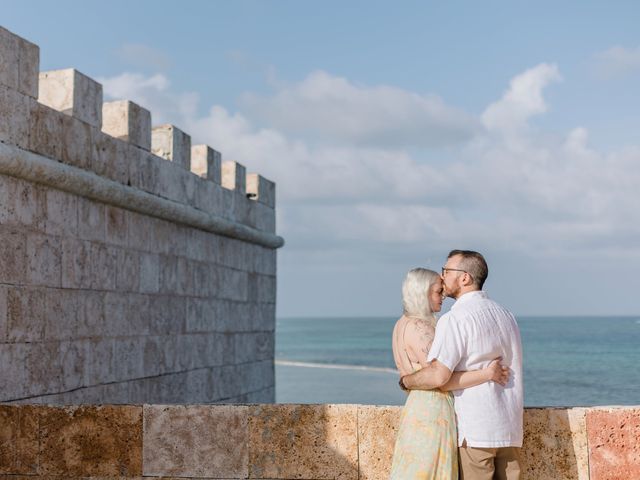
{"x":309,"y":442}
{"x":134,"y":266}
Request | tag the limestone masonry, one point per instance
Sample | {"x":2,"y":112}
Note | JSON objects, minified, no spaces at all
{"x":134,"y":266}
{"x":345,"y":442}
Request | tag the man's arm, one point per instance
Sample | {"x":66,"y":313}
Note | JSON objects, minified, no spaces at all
{"x":432,"y":376}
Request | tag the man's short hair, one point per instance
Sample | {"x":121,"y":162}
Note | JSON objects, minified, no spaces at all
{"x":474,"y":264}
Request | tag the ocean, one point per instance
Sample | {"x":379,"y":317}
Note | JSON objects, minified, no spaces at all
{"x":568,"y":361}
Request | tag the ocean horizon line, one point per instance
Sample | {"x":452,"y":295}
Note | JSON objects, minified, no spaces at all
{"x":334,"y":366}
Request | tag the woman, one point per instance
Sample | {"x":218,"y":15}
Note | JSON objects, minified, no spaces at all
{"x":426,"y":444}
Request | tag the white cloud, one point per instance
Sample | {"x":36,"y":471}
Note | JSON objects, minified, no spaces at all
{"x":333,"y":109}
{"x":507,"y":186}
{"x":522,"y":100}
{"x":617,"y":61}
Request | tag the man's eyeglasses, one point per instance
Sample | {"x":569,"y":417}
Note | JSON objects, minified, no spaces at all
{"x":445,"y":269}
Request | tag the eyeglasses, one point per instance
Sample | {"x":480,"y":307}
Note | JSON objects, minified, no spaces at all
{"x":445,"y":269}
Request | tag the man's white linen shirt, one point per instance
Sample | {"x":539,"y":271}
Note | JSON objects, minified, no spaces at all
{"x":473,"y":333}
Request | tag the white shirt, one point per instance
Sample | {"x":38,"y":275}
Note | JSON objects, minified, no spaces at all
{"x":476,"y":331}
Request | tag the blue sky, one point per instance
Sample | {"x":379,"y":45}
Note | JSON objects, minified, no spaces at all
{"x":396,"y":132}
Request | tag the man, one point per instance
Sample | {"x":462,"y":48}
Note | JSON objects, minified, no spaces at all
{"x":476,"y":331}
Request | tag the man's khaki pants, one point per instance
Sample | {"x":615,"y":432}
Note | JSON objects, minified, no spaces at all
{"x":489,"y":463}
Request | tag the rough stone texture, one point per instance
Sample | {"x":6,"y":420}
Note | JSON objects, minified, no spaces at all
{"x":123,"y":276}
{"x":614,"y":446}
{"x":234,"y":177}
{"x":72,"y":93}
{"x":555,"y":444}
{"x":206,"y":162}
{"x":18,"y":440}
{"x":280,"y":436}
{"x":171,"y":143}
{"x":19,"y":63}
{"x":128,"y":121}
{"x":377,"y":428}
{"x":91,"y":441}
{"x":205,"y":441}
{"x":261,"y":189}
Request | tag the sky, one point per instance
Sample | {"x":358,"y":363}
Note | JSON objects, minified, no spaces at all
{"x":396,"y":132}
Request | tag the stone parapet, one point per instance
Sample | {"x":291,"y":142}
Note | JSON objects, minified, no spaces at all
{"x":280,"y":442}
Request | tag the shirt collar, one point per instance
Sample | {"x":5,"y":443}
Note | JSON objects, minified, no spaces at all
{"x":469,"y":296}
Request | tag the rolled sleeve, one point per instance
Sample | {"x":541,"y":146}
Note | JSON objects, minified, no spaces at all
{"x":447,"y":343}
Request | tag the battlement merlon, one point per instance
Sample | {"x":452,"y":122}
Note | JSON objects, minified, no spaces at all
{"x":60,"y":117}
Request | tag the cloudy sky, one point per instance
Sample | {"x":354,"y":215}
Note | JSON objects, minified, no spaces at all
{"x":396,"y":132}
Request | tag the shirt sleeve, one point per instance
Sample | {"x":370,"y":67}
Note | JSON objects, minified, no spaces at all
{"x":447,"y":345}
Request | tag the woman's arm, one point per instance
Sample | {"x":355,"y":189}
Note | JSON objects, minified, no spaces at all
{"x":494,"y":372}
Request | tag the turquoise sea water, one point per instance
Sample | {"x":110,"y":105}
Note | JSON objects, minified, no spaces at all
{"x":568,"y":361}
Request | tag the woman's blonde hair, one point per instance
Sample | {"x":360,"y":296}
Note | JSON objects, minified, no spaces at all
{"x":416,"y":285}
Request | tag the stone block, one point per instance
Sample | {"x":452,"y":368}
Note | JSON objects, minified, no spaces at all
{"x":116,"y":225}
{"x":206,"y":162}
{"x":91,"y":220}
{"x":377,"y":428}
{"x":103,"y":267}
{"x":15,"y":117}
{"x":201,"y":315}
{"x":13,"y":371}
{"x":19,"y":63}
{"x":61,"y":314}
{"x":234,"y":284}
{"x":127,"y":121}
{"x":91,"y":312}
{"x":261,"y":189}
{"x":77,"y":149}
{"x":257,"y":376}
{"x":21,"y":203}
{"x":167,"y":315}
{"x":72,"y":93}
{"x":91,"y":441}
{"x":614,"y":450}
{"x":61,"y":217}
{"x":104,"y":153}
{"x":72,"y":361}
{"x":234,"y":176}
{"x":76,"y":263}
{"x":44,"y":260}
{"x":171,"y":143}
{"x":555,"y":444}
{"x":206,"y":441}
{"x":149,"y":173}
{"x":209,"y":197}
{"x":128,"y":360}
{"x":280,"y":436}
{"x":44,"y":369}
{"x":25,"y":314}
{"x":13,"y":259}
{"x":18,"y":440}
{"x":116,"y":307}
{"x":265,"y":218}
{"x":253,"y":346}
{"x":46,"y":131}
{"x":149,"y":272}
{"x":127,"y":270}
{"x":3,"y":314}
{"x":118,"y":168}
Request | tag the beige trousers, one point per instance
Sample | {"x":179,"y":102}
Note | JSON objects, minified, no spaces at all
{"x":489,"y":463}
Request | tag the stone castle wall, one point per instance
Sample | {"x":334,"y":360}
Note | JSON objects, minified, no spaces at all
{"x":310,"y":442}
{"x":134,"y":267}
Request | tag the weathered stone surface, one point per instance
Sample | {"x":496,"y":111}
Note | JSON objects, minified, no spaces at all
{"x":614,"y":449}
{"x":127,"y":121}
{"x":377,"y":428}
{"x":206,"y":162}
{"x":19,"y":63}
{"x":18,"y":439}
{"x":280,"y":436}
{"x":12,"y":256}
{"x":171,"y":143}
{"x":555,"y":444}
{"x":91,"y":220}
{"x":15,"y":117}
{"x":91,"y":441}
{"x":25,"y":314}
{"x":76,"y":142}
{"x":261,"y":189}
{"x":234,"y":176}
{"x":44,"y":260}
{"x":205,"y":441}
{"x":72,"y":93}
{"x":46,"y":129}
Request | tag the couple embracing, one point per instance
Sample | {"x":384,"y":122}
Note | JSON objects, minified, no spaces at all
{"x":475,"y":352}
